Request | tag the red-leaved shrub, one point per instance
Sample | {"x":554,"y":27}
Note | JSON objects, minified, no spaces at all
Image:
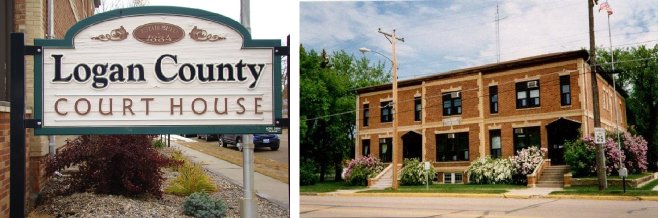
{"x":112,"y":164}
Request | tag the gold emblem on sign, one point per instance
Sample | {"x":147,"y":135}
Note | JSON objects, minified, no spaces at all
{"x":202,"y":35}
{"x":114,"y":35}
{"x":158,"y":33}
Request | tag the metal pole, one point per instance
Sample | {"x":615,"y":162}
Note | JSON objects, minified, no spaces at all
{"x":17,"y":127}
{"x":614,"y":86}
{"x":248,"y":204}
{"x":600,"y":156}
{"x":51,"y":35}
{"x":245,"y":14}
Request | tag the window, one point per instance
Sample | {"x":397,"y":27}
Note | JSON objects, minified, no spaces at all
{"x":452,"y":147}
{"x":452,"y":178}
{"x":385,"y":149}
{"x":365,"y":147}
{"x":452,"y":103}
{"x":386,"y":109}
{"x":366,"y":114}
{"x":565,"y":90}
{"x":527,"y":94}
{"x":418,"y":108}
{"x":526,"y":137}
{"x":494,"y":142}
{"x":493,"y":99}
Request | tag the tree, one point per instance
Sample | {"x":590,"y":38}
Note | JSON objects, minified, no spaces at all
{"x":108,"y":5}
{"x":637,"y":67}
{"x":327,"y":96}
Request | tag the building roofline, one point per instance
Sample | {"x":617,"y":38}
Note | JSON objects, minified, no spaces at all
{"x":485,"y":69}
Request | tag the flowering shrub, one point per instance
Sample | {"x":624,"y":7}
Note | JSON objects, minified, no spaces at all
{"x":580,"y":155}
{"x":635,"y":150}
{"x":525,"y":162}
{"x":360,"y":169}
{"x":414,"y":173}
{"x":613,"y":155}
{"x":490,"y":171}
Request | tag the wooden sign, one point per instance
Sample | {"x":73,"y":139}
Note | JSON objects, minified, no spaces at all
{"x":154,"y":70}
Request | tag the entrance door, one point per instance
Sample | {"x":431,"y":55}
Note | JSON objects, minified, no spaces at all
{"x":558,"y":132}
{"x":412,"y":146}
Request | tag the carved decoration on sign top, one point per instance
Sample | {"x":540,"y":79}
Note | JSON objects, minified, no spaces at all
{"x":115,"y":35}
{"x":158,"y":33}
{"x":202,"y":35}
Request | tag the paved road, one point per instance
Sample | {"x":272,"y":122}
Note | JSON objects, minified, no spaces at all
{"x":344,"y":206}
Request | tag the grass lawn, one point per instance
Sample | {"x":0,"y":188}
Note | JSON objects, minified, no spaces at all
{"x":612,"y":190}
{"x":631,"y":176}
{"x":327,"y":186}
{"x":453,"y":188}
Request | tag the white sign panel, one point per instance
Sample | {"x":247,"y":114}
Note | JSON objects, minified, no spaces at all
{"x":157,"y":70}
{"x":599,"y":135}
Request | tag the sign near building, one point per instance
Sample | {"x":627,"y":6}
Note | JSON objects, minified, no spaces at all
{"x":599,"y":135}
{"x":157,"y":70}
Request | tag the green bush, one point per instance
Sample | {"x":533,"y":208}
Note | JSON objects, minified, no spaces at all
{"x":580,"y":158}
{"x":359,"y":176}
{"x":307,"y":175}
{"x":414,"y":173}
{"x":200,"y":204}
{"x":191,"y":179}
{"x":491,"y":171}
{"x":159,"y":144}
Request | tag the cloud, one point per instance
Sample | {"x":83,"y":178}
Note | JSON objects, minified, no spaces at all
{"x":446,"y":35}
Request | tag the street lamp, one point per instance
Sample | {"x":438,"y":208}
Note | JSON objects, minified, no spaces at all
{"x":392,"y":38}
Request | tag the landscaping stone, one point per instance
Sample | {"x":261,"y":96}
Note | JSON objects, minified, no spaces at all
{"x":97,"y":205}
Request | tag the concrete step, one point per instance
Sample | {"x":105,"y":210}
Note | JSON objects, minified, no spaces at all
{"x":550,"y":182}
{"x":549,"y":185}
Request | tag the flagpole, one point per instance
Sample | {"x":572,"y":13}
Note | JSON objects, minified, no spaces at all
{"x":614,"y":84}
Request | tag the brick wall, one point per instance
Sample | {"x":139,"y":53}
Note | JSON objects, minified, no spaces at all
{"x":476,"y":118}
{"x":31,"y":17}
{"x":5,"y":161}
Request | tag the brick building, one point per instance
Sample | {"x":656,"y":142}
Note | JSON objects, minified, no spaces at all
{"x":456,"y":117}
{"x":31,"y":18}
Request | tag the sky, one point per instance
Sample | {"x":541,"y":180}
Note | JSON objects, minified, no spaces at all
{"x":266,"y":22}
{"x":445,"y":35}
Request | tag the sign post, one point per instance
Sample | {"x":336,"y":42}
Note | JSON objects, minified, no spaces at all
{"x":427,"y":175}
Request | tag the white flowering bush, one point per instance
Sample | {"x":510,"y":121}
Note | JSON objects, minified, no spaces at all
{"x":414,"y":173}
{"x":490,"y":171}
{"x":525,"y":162}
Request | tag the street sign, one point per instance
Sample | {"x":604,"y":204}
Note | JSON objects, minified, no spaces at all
{"x":427,"y":165}
{"x":623,"y":172}
{"x":599,"y":135}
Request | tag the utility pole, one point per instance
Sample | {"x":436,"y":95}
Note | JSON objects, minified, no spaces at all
{"x":600,"y":157}
{"x":392,"y":38}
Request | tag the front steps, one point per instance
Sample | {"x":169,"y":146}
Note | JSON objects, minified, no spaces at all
{"x":553,"y":176}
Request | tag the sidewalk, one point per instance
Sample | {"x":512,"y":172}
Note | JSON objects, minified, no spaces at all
{"x":266,"y":187}
{"x":530,"y":192}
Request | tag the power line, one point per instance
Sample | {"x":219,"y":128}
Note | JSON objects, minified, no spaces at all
{"x":473,"y":89}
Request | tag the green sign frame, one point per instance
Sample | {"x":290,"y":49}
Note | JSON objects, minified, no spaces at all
{"x":248,"y":42}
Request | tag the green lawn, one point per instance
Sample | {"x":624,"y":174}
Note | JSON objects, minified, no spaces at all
{"x":327,"y":186}
{"x":611,"y":190}
{"x":631,"y":176}
{"x":453,"y":188}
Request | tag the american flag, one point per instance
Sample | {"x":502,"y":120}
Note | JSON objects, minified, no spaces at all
{"x":605,"y":6}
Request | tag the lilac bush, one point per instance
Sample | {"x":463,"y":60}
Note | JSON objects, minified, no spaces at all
{"x":527,"y":159}
{"x":635,"y":150}
{"x":613,"y":155}
{"x":360,"y":169}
